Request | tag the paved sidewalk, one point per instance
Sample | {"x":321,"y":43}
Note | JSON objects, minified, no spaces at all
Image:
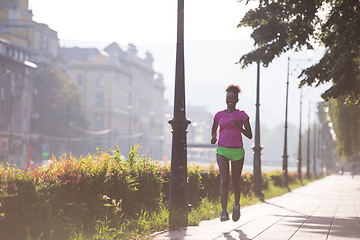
{"x":325,"y":209}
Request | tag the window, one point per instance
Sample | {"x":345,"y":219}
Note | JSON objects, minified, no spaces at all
{"x":25,"y":125}
{"x":2,"y":48}
{"x":21,"y":56}
{"x":26,"y":82}
{"x":99,"y":99}
{"x":2,"y":94}
{"x":79,"y":79}
{"x":13,"y":80}
{"x":15,"y":54}
{"x":99,"y":122}
{"x":99,"y":82}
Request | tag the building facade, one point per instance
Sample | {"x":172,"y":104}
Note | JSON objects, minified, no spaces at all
{"x":18,"y":28}
{"x":122,"y":95}
{"x":24,"y":42}
{"x":199,"y":149}
{"x":16,"y":88}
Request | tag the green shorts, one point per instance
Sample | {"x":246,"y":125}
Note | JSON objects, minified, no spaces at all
{"x":233,"y":154}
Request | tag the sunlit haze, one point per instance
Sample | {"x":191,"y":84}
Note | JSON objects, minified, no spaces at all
{"x":213,"y":44}
{"x":140,"y":21}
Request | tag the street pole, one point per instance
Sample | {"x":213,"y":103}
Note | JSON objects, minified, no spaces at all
{"x":285,"y":155}
{"x":320,"y":149}
{"x":257,"y":148}
{"x":12,"y":92}
{"x":309,"y":54}
{"x":308,"y":149}
{"x":67,"y":127}
{"x":178,"y":198}
{"x":314,"y":163}
{"x":299,"y":149}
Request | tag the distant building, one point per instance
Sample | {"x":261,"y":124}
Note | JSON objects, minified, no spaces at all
{"x":122,"y":95}
{"x":16,"y":87}
{"x":18,"y":28}
{"x":200,"y":127}
{"x":27,"y":42}
{"x":198,"y":137}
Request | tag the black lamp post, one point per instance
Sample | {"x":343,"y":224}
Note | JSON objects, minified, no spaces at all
{"x":11,"y":93}
{"x":257,"y":148}
{"x":315,"y":143}
{"x":178,"y":198}
{"x":309,"y":54}
{"x":285,"y":155}
{"x":320,"y":148}
{"x":299,"y":162}
{"x":308,"y":149}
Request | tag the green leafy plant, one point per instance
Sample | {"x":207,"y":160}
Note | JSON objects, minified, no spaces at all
{"x":104,"y":196}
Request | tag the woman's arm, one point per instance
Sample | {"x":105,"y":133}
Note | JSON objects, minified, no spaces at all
{"x":247,"y":131}
{"x":214,"y":132}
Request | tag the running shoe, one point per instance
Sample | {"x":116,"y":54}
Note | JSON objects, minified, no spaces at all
{"x":236,"y":212}
{"x":224,"y":216}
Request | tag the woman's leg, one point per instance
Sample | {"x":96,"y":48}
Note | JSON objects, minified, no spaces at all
{"x":223,"y":164}
{"x":236,"y":169}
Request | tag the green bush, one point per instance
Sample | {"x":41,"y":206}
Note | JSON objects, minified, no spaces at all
{"x":265,"y":180}
{"x":277,"y":178}
{"x":292,"y":177}
{"x":194,"y":185}
{"x":147,"y":180}
{"x":73,"y":194}
{"x":210,"y":180}
{"x":246,"y":181}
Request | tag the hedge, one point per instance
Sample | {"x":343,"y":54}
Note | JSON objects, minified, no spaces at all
{"x":50,"y":202}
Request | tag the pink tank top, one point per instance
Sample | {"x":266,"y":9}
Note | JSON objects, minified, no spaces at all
{"x":229,"y":135}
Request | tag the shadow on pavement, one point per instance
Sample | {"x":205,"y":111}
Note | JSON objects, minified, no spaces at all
{"x":340,"y":227}
{"x":177,"y":234}
{"x":288,"y":209}
{"x":242,"y":235}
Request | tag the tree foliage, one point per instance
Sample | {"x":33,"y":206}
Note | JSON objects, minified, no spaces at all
{"x":346,"y":121}
{"x":57,"y":102}
{"x":281,"y":25}
{"x":327,"y":142}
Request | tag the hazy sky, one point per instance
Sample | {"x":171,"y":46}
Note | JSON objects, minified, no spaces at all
{"x":140,"y":21}
{"x":150,"y":24}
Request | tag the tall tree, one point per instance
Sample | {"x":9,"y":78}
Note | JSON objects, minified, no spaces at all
{"x":281,"y":25}
{"x":346,"y":120}
{"x":326,"y":149}
{"x":57,"y":102}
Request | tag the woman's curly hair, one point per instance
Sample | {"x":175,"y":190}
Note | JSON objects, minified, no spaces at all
{"x":233,"y":88}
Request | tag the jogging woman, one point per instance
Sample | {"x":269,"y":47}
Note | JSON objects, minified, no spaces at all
{"x":233,"y":123}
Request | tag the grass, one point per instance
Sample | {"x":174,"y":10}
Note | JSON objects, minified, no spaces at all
{"x":148,"y":223}
{"x":274,"y":191}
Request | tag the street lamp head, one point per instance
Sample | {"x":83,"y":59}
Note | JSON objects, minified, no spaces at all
{"x":309,"y":51}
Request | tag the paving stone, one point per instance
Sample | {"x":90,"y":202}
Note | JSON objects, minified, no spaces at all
{"x":326,"y":209}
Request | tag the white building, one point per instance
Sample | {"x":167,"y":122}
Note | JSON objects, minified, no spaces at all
{"x":123,"y":97}
{"x":198,"y":137}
